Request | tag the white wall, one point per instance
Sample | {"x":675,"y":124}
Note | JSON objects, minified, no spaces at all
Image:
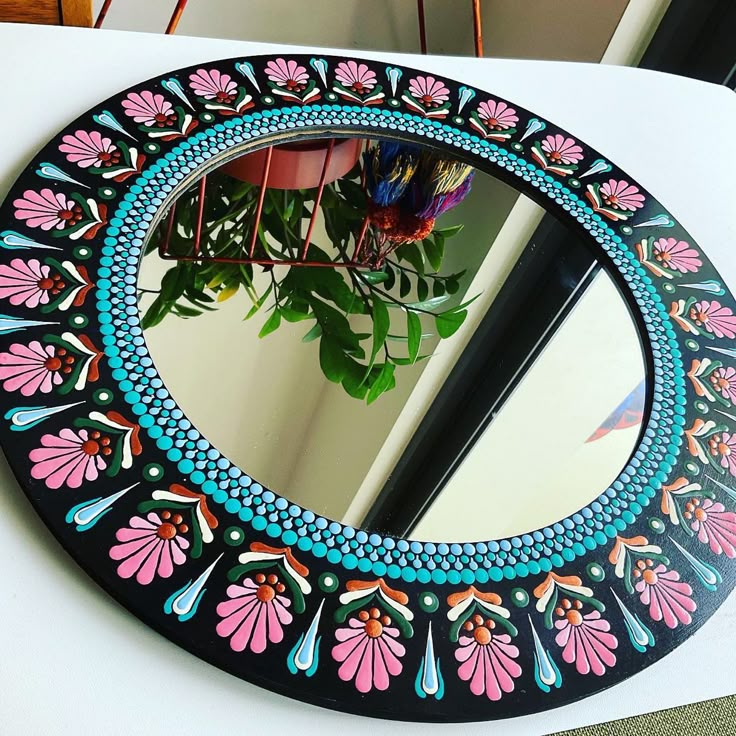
{"x":532,"y":465}
{"x":574,"y":30}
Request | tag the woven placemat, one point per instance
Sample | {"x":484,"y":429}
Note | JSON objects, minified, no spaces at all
{"x":708,"y":718}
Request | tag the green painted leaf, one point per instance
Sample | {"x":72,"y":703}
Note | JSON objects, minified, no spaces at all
{"x":449,"y":232}
{"x":452,"y":286}
{"x":314,"y":333}
{"x":463,"y":305}
{"x":404,"y":285}
{"x":374,"y":277}
{"x":434,"y":249}
{"x":333,"y":323}
{"x":411,"y":253}
{"x":422,"y":289}
{"x":259,"y":303}
{"x":353,"y":380}
{"x":449,"y":322}
{"x":428,"y":304}
{"x":291,"y":315}
{"x":381,"y":383}
{"x":407,"y":361}
{"x":332,"y":359}
{"x":414,"y":333}
{"x":272,"y":324}
{"x":381,"y":325}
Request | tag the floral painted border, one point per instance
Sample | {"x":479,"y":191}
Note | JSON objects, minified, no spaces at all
{"x":270,"y":591}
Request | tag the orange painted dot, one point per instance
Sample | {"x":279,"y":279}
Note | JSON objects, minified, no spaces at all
{"x":374,"y":628}
{"x":375,"y":613}
{"x":574,"y":617}
{"x":482,"y":636}
{"x":90,"y":447}
{"x":260,"y":578}
{"x":265,"y":593}
{"x":700,"y":515}
{"x":650,"y":577}
{"x":183,"y":528}
{"x":363,"y":615}
{"x":166,"y":531}
{"x":273,"y":579}
{"x":166,"y":515}
{"x":177,"y":519}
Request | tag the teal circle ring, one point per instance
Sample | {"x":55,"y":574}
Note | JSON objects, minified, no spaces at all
{"x":544,"y":549}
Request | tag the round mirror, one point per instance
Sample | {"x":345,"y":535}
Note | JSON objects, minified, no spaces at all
{"x":478,"y":379}
{"x":437,"y":474}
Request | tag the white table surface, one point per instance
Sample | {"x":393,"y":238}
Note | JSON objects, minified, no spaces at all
{"x":74,"y":662}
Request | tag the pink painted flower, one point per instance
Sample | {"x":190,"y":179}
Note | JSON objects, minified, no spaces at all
{"x":429,"y":91}
{"x":561,"y":150}
{"x":27,"y":283}
{"x":714,"y":525}
{"x":722,"y":447}
{"x":70,"y":457}
{"x":369,"y":651}
{"x":712,"y":317}
{"x":255,"y":614}
{"x":90,"y":149}
{"x":723,"y":382}
{"x":31,"y":368}
{"x":287,"y":74}
{"x":213,"y":85}
{"x":152,"y":110}
{"x":676,"y":255}
{"x":584,"y":639}
{"x":488,"y":659}
{"x":497,"y":115}
{"x":47,"y":209}
{"x":620,"y":195}
{"x":668,"y":598}
{"x":354,"y":76}
{"x":150,"y":546}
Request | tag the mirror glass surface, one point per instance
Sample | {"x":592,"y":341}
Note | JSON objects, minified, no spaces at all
{"x":520,"y":408}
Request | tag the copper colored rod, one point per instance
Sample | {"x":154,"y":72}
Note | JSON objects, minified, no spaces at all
{"x":477,"y":29}
{"x":103,"y":12}
{"x":361,"y":238}
{"x":261,"y":198}
{"x":200,"y":214}
{"x":422,"y":27}
{"x":318,"y":198}
{"x":163,"y":248}
{"x":268,"y":261}
{"x":176,"y":15}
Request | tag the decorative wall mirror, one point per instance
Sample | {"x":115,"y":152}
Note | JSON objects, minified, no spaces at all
{"x":283,"y":374}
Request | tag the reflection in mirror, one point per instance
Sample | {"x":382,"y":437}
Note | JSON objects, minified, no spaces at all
{"x":388,"y":338}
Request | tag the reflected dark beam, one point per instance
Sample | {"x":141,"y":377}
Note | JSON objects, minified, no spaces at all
{"x":551,"y":275}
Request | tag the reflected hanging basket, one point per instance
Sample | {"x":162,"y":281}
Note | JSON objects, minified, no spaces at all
{"x":297,"y":165}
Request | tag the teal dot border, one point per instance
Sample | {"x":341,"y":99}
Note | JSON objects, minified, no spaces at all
{"x":529,"y":554}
